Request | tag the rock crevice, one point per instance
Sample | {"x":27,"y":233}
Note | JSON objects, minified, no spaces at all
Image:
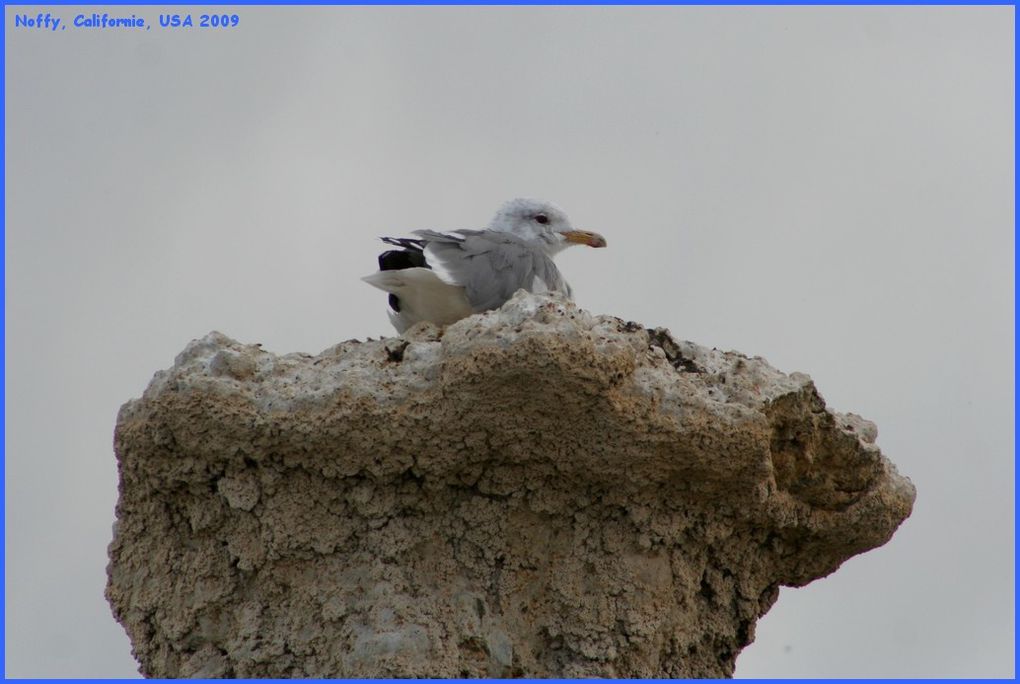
{"x":535,"y":491}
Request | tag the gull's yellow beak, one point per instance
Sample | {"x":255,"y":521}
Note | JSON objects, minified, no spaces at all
{"x":583,"y":237}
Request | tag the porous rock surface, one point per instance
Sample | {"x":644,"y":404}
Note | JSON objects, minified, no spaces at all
{"x":535,"y":491}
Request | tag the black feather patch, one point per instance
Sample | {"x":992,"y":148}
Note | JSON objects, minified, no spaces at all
{"x":399,"y":259}
{"x":411,"y":256}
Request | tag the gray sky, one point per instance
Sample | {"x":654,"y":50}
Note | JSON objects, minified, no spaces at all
{"x":830,"y":188}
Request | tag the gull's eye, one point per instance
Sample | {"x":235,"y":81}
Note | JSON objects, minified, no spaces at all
{"x":542,"y":218}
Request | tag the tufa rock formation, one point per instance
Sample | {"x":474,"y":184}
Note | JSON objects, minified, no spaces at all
{"x":535,"y":492}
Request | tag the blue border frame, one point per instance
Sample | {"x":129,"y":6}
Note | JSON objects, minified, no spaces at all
{"x":526,"y":3}
{"x":307,"y":3}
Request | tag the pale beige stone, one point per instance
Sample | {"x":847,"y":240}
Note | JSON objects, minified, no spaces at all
{"x":534,"y":491}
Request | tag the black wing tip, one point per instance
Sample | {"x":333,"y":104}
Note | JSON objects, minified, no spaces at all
{"x":399,"y":259}
{"x":406,"y":243}
{"x":410,"y":256}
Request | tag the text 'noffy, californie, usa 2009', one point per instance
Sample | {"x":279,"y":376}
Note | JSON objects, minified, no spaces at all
{"x":47,"y":21}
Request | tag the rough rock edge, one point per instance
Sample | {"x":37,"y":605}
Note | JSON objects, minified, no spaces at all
{"x":534,"y":491}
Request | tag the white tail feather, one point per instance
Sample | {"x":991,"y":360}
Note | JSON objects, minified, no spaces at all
{"x":423,"y":297}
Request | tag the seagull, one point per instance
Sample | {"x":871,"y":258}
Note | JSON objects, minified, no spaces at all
{"x":443,"y":277}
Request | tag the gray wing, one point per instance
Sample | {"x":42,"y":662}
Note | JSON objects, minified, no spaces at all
{"x":490,"y":265}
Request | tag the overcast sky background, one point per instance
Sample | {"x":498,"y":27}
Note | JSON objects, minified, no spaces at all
{"x":829,"y":188}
